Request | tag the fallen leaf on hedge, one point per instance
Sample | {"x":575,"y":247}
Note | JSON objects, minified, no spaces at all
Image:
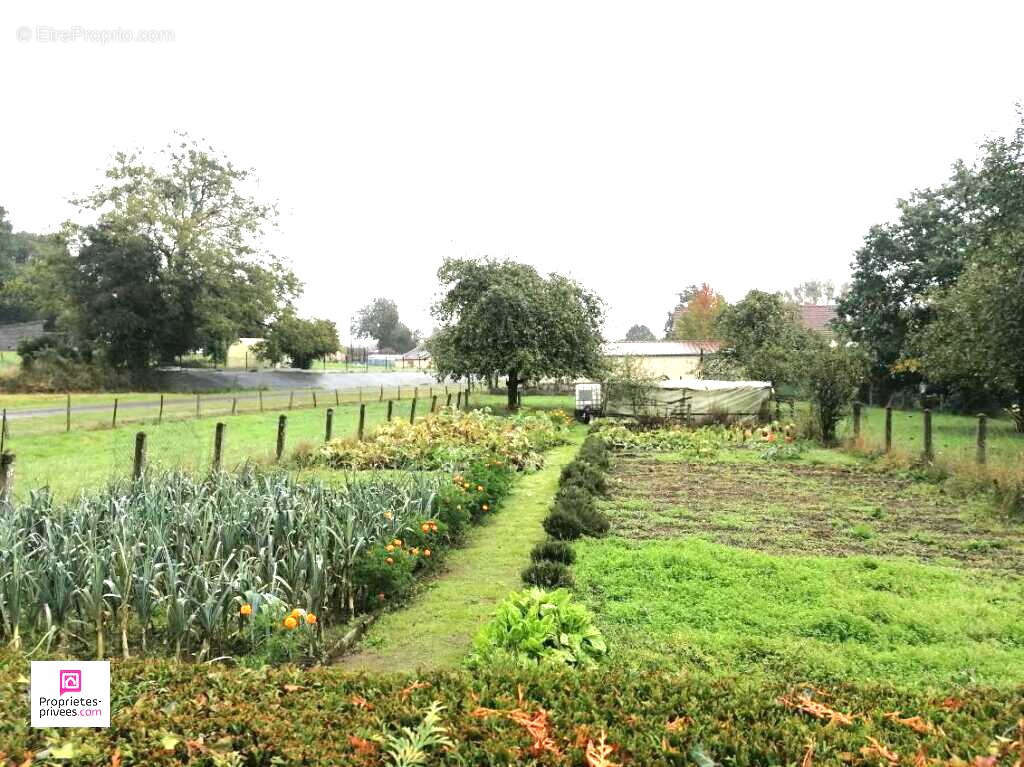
{"x":360,"y":702}
{"x":362,"y":746}
{"x":952,"y":704}
{"x":599,"y":754}
{"x":404,"y":693}
{"x":115,"y":758}
{"x":582,"y":736}
{"x":537,"y":727}
{"x":169,"y":742}
{"x":915,"y":723}
{"x":879,"y":751}
{"x":921,"y":758}
{"x":810,"y":706}
{"x":292,"y":687}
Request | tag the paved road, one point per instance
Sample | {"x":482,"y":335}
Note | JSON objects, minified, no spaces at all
{"x":188,"y":380}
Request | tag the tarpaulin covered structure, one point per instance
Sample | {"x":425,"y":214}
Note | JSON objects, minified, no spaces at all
{"x":692,"y":399}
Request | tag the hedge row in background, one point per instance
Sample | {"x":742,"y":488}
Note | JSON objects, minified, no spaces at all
{"x":168,"y":714}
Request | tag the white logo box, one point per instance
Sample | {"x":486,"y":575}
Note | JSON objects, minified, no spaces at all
{"x":70,"y":693}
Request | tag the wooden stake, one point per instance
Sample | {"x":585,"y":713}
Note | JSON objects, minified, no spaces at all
{"x":160,"y":417}
{"x":888,"y":430}
{"x":856,"y":421}
{"x":412,"y":412}
{"x":362,"y":420}
{"x":234,"y":405}
{"x":982,"y":439}
{"x":140,"y":455}
{"x":329,"y":425}
{"x":433,"y":403}
{"x":218,"y":445}
{"x":282,"y":427}
{"x":390,"y":405}
{"x":113,"y":421}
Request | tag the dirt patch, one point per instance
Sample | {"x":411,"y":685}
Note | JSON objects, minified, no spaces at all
{"x":801,"y":508}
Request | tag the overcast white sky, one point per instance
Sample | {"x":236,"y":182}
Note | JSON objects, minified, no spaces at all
{"x":639,"y":146}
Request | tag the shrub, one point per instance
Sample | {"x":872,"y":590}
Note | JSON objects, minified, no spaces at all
{"x":535,"y":627}
{"x":383,"y":575}
{"x":563,"y":525}
{"x":548,"y":575}
{"x":553,"y":551}
{"x":574,"y":499}
{"x":833,"y":375}
{"x":595,"y":523}
{"x":595,"y":452}
{"x":584,"y":475}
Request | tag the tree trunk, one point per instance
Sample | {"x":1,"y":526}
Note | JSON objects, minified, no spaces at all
{"x":513,"y":390}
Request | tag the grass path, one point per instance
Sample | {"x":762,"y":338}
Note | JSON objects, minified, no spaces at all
{"x":435,"y":631}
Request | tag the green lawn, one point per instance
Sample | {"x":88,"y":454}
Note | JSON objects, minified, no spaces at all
{"x":811,"y":570}
{"x":436,"y":629}
{"x":82,"y":459}
{"x":953,"y":436}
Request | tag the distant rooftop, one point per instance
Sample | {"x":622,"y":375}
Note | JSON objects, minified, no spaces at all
{"x":660,"y":348}
{"x":818,"y":317}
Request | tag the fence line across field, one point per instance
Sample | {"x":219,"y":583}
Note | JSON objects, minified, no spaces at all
{"x":62,"y":415}
{"x":220,"y":435}
{"x":927,"y":434}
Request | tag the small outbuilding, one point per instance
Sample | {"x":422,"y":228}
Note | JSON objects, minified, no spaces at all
{"x":663,"y":359}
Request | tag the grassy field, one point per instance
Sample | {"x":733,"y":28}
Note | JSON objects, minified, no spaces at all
{"x":435,"y":631}
{"x":96,"y":411}
{"x":67,"y":463}
{"x":822,"y":569}
{"x":953,"y":436}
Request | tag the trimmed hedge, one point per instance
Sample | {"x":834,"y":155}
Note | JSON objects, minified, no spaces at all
{"x":553,"y":551}
{"x":548,"y":575}
{"x":167,"y":713}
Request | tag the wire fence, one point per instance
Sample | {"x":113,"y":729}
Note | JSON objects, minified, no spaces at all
{"x":53,"y":414}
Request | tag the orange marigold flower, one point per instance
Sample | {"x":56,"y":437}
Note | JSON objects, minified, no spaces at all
{"x":479,"y":488}
{"x":389,"y":548}
{"x":310,"y":619}
{"x":245,"y":609}
{"x":397,"y":543}
{"x":390,"y":561}
{"x":485,"y":507}
{"x":426,"y":552}
{"x":290,"y":623}
{"x":414,"y":551}
{"x":425,"y":527}
{"x":297,"y":612}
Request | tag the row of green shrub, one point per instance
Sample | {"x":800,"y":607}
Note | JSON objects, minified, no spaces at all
{"x":171,"y":714}
{"x":573,"y":514}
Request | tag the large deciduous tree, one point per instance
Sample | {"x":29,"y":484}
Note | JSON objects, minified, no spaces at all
{"x":216,"y":281}
{"x":503,"y":318}
{"x":762,"y":334}
{"x":22,"y":282}
{"x":697,"y":320}
{"x":976,"y":338}
{"x":379,"y":320}
{"x":639,"y":333}
{"x":299,"y":340}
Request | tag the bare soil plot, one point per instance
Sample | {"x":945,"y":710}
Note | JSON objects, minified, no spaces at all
{"x":797,"y":508}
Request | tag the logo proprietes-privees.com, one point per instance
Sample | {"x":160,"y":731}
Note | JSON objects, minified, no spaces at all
{"x":70,"y":693}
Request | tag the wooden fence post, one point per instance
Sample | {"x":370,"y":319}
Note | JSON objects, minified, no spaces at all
{"x":856,"y":421}
{"x":433,"y":403}
{"x":390,"y":405}
{"x":282,"y":427}
{"x":412,"y":412}
{"x":6,"y":475}
{"x":337,"y":400}
{"x":381,"y":394}
{"x":362,"y":420}
{"x":218,"y":445}
{"x":982,"y":438}
{"x":929,"y":452}
{"x":140,"y":455}
{"x":888,"y":430}
{"x":113,"y":421}
{"x":458,"y":401}
{"x":160,"y":416}
{"x":314,"y":398}
{"x":448,"y":400}
{"x":329,"y":425}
